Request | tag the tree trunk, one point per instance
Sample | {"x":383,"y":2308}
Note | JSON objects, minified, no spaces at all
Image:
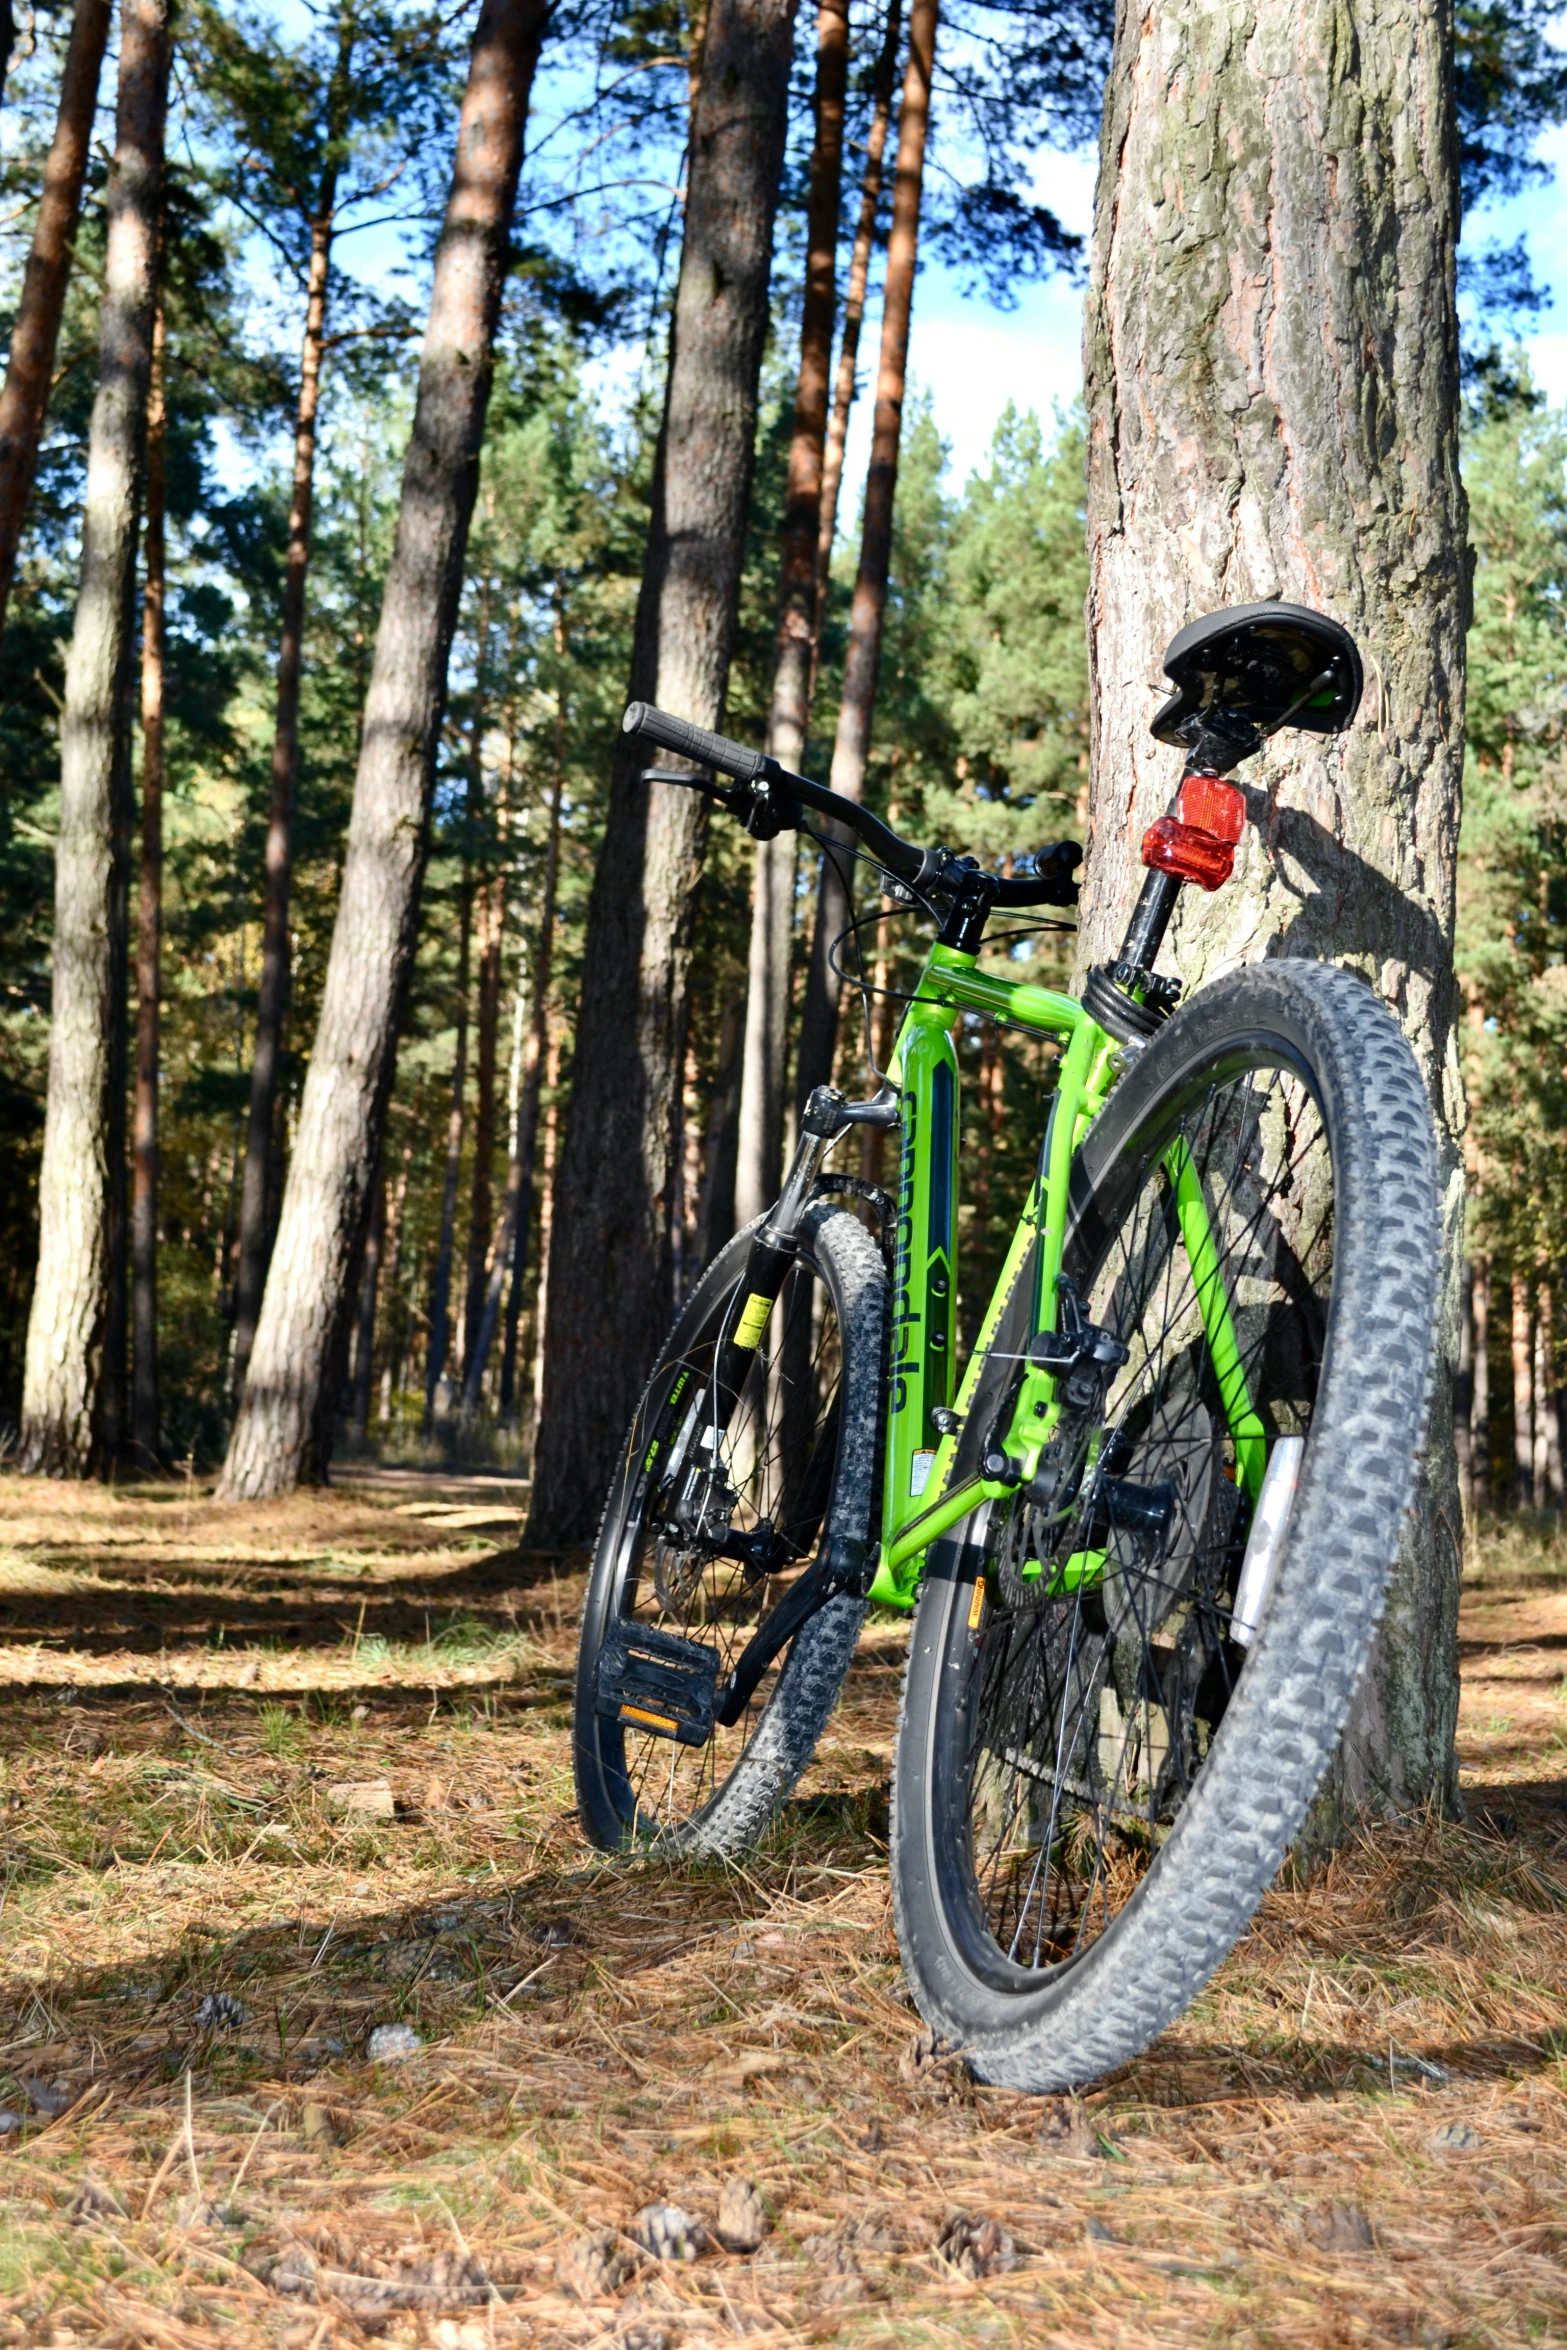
{"x":851,"y":749}
{"x":611,"y":1249}
{"x":758,"y":1165}
{"x":1548,"y":1401}
{"x":492,"y":912}
{"x":24,"y":401}
{"x":541,"y":1296}
{"x":1523,"y":1393}
{"x":511,"y":1247}
{"x":1273,"y":411}
{"x":69,"y":1403}
{"x":284,"y":1427}
{"x":1463,"y":1393}
{"x":716,"y":1213}
{"x":1541,"y":1479}
{"x":1480,"y":1394}
{"x":844,"y":389}
{"x":441,"y":1288}
{"x":149,"y":941}
{"x":258,"y":1193}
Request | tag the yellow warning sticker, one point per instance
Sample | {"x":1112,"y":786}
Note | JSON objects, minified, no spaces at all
{"x":753,"y":1319}
{"x":976,"y":1606}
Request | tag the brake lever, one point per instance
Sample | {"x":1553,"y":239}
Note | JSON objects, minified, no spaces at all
{"x":764,"y":813}
{"x":736,"y":797}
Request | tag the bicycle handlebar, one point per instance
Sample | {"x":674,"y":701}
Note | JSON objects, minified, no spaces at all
{"x":916,"y":866}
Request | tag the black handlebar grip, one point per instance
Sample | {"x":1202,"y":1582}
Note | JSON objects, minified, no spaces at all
{"x":692,"y":742}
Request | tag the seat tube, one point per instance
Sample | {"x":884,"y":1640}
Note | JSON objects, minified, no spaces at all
{"x":923,"y":1334}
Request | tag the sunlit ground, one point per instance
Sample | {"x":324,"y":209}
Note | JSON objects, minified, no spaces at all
{"x":308,"y":1765}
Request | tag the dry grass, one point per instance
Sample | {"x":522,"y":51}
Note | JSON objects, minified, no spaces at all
{"x":1359,"y":2135}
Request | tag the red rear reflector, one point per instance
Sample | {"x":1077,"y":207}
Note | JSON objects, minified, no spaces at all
{"x":1187,"y":853}
{"x":1208,"y":804}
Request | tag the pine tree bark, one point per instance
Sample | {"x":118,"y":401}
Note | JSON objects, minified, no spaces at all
{"x":145,"y":1436}
{"x":851,"y":746}
{"x":611,"y":1258}
{"x":883,"y":84}
{"x":283,"y":1430}
{"x":24,"y":401}
{"x":1273,"y":411}
{"x":73,"y":1389}
{"x":258,"y":1190}
{"x":760,"y":1148}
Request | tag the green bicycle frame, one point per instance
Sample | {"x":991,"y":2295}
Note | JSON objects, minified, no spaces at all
{"x":919,"y":1503}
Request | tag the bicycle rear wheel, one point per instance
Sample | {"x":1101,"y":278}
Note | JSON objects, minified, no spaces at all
{"x":797,"y":1465}
{"x":1125,"y":1684}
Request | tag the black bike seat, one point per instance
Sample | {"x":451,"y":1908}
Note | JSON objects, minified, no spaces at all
{"x":1257,"y":661}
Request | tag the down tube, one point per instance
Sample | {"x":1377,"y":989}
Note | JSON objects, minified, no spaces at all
{"x":924,"y":1320}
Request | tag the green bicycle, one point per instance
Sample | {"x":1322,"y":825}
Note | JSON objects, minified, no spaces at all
{"x":1146,"y":1539}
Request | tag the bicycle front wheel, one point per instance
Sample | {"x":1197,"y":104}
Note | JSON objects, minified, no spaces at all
{"x":1125,"y":1683}
{"x":794,"y":1466}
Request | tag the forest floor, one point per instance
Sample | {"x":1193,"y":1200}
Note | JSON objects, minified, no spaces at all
{"x":1358,"y":2135}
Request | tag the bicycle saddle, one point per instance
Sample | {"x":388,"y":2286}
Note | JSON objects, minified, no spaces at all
{"x":1268,"y":664}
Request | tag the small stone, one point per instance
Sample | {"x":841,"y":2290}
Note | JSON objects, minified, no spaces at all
{"x":47,"y":2097}
{"x":390,"y":2043}
{"x":592,"y":2267}
{"x":95,"y":2200}
{"x":668,"y":2232}
{"x":219,"y":2012}
{"x":976,"y":2247}
{"x":1453,"y":2138}
{"x":1343,"y":2227}
{"x":363,"y":1799}
{"x":9,"y":2122}
{"x":742,"y":2216}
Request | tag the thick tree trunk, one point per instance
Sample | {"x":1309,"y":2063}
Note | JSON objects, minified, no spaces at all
{"x":511,"y":1247}
{"x":258,"y":1192}
{"x":760,"y":1150}
{"x":883,"y":84}
{"x":24,"y":401}
{"x":611,"y":1269}
{"x":1272,"y":381}
{"x":851,"y":748}
{"x":284,"y":1427}
{"x":149,"y":943}
{"x":71,"y":1393}
{"x":446,"y":1237}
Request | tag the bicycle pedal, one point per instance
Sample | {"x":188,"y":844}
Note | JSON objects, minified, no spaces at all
{"x":657,"y":1682}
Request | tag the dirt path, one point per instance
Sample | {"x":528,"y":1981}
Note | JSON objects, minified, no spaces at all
{"x":274,"y":1778}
